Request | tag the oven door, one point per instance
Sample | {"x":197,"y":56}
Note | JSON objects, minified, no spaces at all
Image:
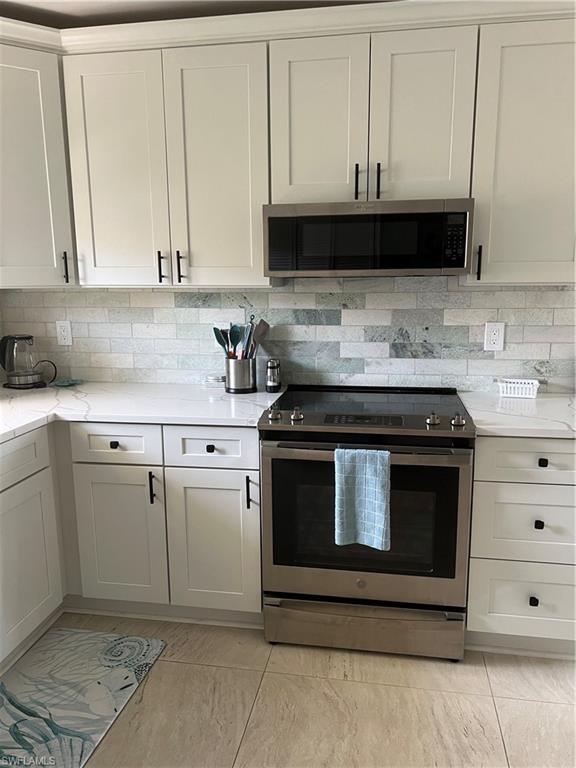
{"x":430,"y":497}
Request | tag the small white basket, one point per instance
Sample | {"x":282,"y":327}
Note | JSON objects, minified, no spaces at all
{"x":518,"y":387}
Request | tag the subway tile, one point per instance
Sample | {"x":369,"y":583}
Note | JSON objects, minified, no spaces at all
{"x":556,"y":299}
{"x":423,"y":380}
{"x":313,"y":284}
{"x":470,"y":316}
{"x":299,"y":332}
{"x":202,"y":362}
{"x":152,"y":299}
{"x":131,"y":315}
{"x":136,"y":375}
{"x":34,"y":329}
{"x":525,"y":316}
{"x":109,"y":330}
{"x":382,"y":333}
{"x":559,"y":333}
{"x":364,"y":379}
{"x":88,"y":373}
{"x":459,"y":367}
{"x":528,"y":351}
{"x":182,"y":346}
{"x":391,"y":300}
{"x":548,"y":369}
{"x":140,"y":346}
{"x":107,"y":298}
{"x":155,"y":361}
{"x":341,"y":365}
{"x":79,"y":330}
{"x":66,"y":299}
{"x":390,"y":365}
{"x":420,"y":284}
{"x":27,"y":298}
{"x":562,"y":351}
{"x":416,"y":317}
{"x":498,"y":299}
{"x":366,"y":316}
{"x":415,"y":350}
{"x":13,"y":314}
{"x":340,"y":301}
{"x":194,"y":331}
{"x":468,"y":351}
{"x":292,"y":301}
{"x":203,"y":300}
{"x":511,"y":333}
{"x":167,"y":376}
{"x":339,"y":333}
{"x":111,"y":360}
{"x":87,"y":314}
{"x":566,"y":316}
{"x":368,"y":284}
{"x":184,"y":316}
{"x":469,"y":383}
{"x":495,"y":367}
{"x":249,"y":300}
{"x":153,"y":331}
{"x":166,"y":314}
{"x":43,"y":314}
{"x":444,"y":300}
{"x":453,"y":334}
{"x":364,"y":349}
{"x":222,"y":316}
{"x":303,"y":316}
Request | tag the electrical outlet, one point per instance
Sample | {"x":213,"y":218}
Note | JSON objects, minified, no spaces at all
{"x":494,"y":337}
{"x":64,"y":333}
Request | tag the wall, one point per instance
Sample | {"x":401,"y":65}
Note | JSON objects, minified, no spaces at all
{"x":386,"y":331}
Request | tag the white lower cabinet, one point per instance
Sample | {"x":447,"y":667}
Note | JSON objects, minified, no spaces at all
{"x":122,"y":532}
{"x":214,"y":538}
{"x":30,"y":582}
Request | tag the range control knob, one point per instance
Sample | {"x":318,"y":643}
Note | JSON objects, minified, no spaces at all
{"x":297,"y":414}
{"x":458,"y":420}
{"x":274,"y":413}
{"x":433,"y":420}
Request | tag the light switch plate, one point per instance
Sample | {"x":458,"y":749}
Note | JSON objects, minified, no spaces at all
{"x":64,"y":333}
{"x":494,"y":337}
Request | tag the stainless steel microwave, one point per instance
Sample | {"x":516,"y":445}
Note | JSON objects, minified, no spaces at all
{"x":392,"y":237}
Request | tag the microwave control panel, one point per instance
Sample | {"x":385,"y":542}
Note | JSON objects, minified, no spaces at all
{"x":455,"y":241}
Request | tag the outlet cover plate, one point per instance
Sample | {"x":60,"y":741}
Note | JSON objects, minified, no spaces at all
{"x":494,"y":337}
{"x":64,"y":333}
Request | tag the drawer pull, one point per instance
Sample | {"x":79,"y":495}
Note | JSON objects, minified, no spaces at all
{"x":114,"y":444}
{"x":539,"y":524}
{"x":542,"y":462}
{"x":210,"y":448}
{"x":151,"y":493}
{"x":534,"y":602}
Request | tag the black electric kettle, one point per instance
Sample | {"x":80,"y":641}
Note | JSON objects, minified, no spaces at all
{"x":17,"y":359}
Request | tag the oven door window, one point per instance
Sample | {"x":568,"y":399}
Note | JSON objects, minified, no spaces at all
{"x":423,"y":520}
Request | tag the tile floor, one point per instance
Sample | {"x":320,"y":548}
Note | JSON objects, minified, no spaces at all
{"x":223,"y":697}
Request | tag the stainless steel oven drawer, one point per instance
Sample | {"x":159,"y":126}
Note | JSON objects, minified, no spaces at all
{"x":416,"y":632}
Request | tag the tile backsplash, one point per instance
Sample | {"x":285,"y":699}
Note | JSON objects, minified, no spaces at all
{"x":406,"y":331}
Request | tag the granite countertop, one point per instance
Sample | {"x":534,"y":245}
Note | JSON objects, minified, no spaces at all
{"x":22,"y":411}
{"x":544,"y":416}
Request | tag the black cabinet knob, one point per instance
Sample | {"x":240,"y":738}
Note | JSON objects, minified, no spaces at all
{"x":534,"y":602}
{"x":542,"y":462}
{"x":114,"y":444}
{"x":539,"y":524}
{"x":210,"y":448}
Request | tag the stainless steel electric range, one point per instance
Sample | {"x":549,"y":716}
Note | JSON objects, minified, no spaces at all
{"x":410,"y":599}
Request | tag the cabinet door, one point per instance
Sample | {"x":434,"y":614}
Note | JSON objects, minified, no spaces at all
{"x":217,"y":136}
{"x":122,"y":532}
{"x":214,"y":538}
{"x":422,"y":112}
{"x":30,"y":582}
{"x":523,"y":179}
{"x":35,"y":230}
{"x":115,"y":111}
{"x":319,"y":118}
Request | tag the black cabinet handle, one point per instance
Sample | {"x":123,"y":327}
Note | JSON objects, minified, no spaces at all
{"x":66,"y":272}
{"x":534,"y":602}
{"x":179,"y":259}
{"x":479,"y":263}
{"x":151,"y":493}
{"x":210,"y":448}
{"x":356,"y":179}
{"x":539,"y":524}
{"x":160,"y":275}
{"x":543,"y":462}
{"x":248,"y":500}
{"x":378,"y":173}
{"x":114,"y":444}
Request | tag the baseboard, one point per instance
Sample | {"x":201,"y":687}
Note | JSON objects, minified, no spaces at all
{"x":176,"y":613}
{"x":25,"y":645}
{"x":520,"y":646}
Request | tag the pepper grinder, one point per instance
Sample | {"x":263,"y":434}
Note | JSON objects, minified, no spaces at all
{"x":273,"y":375}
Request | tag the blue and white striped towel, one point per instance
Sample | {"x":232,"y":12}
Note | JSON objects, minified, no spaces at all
{"x":362,"y":497}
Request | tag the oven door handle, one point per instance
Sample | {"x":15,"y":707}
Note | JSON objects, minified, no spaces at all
{"x":456,"y":457}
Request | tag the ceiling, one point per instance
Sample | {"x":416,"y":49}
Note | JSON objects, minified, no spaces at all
{"x":64,"y":14}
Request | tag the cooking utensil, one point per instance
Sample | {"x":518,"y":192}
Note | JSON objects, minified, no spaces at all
{"x":220,"y":339}
{"x":235,"y":337}
{"x":260,"y":333}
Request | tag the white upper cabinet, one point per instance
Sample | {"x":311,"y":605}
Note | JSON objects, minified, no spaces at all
{"x":422,"y":112}
{"x":217,"y":140}
{"x":319,"y":91}
{"x":523,"y":180}
{"x":115,"y":113}
{"x":35,"y":230}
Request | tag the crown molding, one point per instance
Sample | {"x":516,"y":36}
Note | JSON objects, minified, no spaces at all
{"x":30,"y":35}
{"x":271,"y":25}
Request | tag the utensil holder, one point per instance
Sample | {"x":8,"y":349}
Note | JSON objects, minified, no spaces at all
{"x":240,"y":376}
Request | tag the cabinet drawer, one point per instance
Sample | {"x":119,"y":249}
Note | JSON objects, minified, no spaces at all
{"x":22,"y":456}
{"x":117,"y":443}
{"x":514,"y":521}
{"x":522,"y":460}
{"x":235,"y":448}
{"x":500,"y":593}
